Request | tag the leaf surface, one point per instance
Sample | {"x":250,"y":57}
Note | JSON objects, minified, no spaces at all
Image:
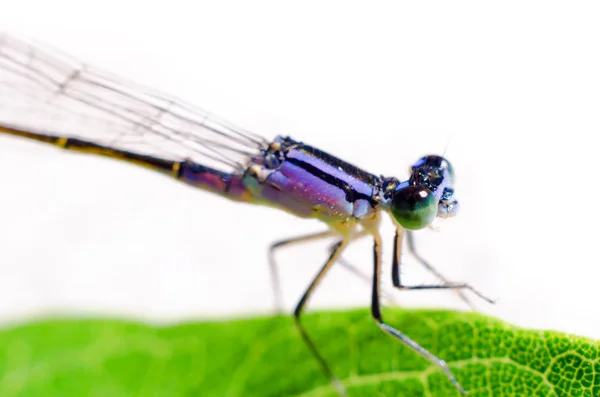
{"x":265,"y":357}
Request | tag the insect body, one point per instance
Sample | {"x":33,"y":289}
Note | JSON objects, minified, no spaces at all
{"x":43,"y":92}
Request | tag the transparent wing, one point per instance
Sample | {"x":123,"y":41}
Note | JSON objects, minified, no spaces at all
{"x":45,"y":91}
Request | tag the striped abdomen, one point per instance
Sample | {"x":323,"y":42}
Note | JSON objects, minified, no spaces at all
{"x":197,"y":175}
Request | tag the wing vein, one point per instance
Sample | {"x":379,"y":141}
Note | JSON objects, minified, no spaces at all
{"x":42,"y":89}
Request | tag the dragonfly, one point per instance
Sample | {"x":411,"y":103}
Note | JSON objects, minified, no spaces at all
{"x":48,"y":96}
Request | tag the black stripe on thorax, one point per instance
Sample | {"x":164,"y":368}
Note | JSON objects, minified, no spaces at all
{"x":350,"y":169}
{"x":351,"y":194}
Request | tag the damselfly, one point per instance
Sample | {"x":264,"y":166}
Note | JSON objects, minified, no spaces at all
{"x":50,"y":97}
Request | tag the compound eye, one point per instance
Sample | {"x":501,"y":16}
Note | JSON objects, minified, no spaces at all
{"x":414,"y":207}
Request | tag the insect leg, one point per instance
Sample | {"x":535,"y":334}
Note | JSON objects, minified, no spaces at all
{"x":273,"y":268}
{"x":333,"y":257}
{"x":458,"y":287}
{"x":376,"y":313}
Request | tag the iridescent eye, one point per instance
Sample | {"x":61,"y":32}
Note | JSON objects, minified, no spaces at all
{"x":414,"y":207}
{"x":437,"y":162}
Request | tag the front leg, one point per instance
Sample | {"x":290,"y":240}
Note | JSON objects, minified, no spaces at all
{"x":458,"y":287}
{"x":376,"y":313}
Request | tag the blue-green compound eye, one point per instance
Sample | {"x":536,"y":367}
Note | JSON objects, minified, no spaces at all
{"x":414,"y":207}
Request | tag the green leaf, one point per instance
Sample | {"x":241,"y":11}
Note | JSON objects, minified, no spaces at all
{"x":265,"y":357}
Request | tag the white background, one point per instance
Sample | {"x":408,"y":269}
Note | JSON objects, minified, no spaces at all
{"x":516,"y":85}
